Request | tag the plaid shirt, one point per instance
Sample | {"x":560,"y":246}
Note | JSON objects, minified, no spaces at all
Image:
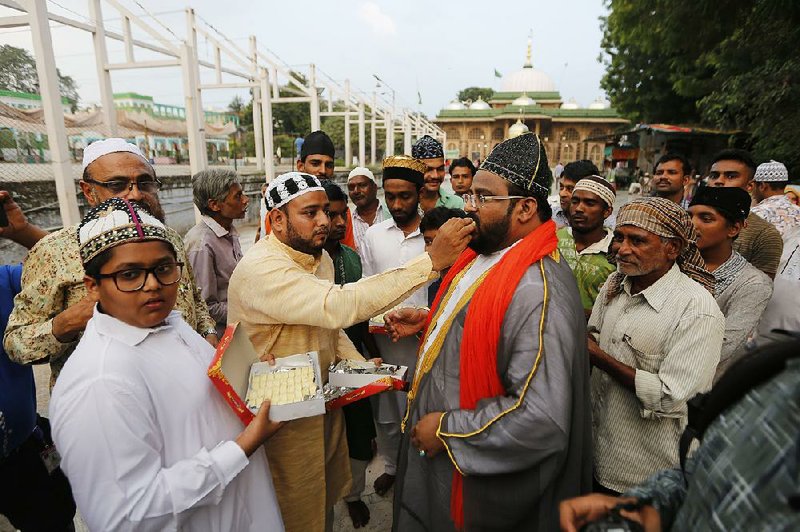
{"x":745,"y":469}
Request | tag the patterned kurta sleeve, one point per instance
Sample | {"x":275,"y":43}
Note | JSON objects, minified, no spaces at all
{"x":29,"y":334}
{"x":666,"y":491}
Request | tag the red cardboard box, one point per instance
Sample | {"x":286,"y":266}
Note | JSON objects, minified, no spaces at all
{"x":230,"y":373}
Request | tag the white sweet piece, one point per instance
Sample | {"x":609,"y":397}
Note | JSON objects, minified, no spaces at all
{"x":281,"y":387}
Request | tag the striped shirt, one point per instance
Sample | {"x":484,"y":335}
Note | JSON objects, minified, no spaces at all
{"x":760,"y":244}
{"x":671,"y":333}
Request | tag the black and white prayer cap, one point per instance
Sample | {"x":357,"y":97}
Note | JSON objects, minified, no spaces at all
{"x":289,"y":186}
{"x":114,"y":222}
{"x":98,"y":148}
{"x":427,"y":147}
{"x":523,"y":162}
{"x":772,"y":171}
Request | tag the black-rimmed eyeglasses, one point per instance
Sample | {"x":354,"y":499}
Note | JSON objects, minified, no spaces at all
{"x":479,"y":200}
{"x":134,"y":279}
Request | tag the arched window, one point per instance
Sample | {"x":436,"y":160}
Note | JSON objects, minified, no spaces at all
{"x":453,"y":134}
{"x":571,"y":135}
{"x":497,"y":133}
{"x":596,"y":132}
{"x":452,"y":146}
{"x":568,"y":153}
{"x":475,"y":133}
{"x":596,"y":155}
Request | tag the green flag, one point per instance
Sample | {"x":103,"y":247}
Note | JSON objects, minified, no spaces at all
{"x":497,"y":74}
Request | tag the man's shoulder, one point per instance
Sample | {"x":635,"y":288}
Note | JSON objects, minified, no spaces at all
{"x":196,"y":236}
{"x":379,"y":227}
{"x":760,"y":227}
{"x":697,"y":298}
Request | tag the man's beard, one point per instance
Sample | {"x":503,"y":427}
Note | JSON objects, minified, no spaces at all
{"x":489,"y":238}
{"x":403,"y":217}
{"x":301,"y":244}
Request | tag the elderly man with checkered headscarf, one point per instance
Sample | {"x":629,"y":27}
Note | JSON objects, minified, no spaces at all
{"x":655,"y":338}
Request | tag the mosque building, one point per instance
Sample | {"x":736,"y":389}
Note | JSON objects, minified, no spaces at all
{"x":529,"y":101}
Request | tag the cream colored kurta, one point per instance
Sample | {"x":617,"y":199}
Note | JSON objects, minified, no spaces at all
{"x":288,"y":303}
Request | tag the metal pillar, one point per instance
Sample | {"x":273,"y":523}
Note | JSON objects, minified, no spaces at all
{"x":406,"y":134}
{"x":266,"y":107}
{"x":312,"y":84}
{"x":389,"y":122}
{"x":101,"y":60}
{"x":373,"y":145}
{"x":258,"y":131}
{"x":195,"y":118}
{"x":362,"y":134}
{"x":53,"y":114}
{"x":348,"y":144}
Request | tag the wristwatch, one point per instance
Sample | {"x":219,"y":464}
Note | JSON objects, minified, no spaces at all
{"x":207,"y":332}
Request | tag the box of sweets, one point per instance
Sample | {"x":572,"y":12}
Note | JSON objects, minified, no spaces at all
{"x":293,"y":384}
{"x":356,"y":373}
{"x":337,"y":397}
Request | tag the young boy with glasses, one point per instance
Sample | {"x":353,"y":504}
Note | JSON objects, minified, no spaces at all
{"x":146,"y":441}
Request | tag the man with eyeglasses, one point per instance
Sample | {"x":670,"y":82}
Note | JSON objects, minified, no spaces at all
{"x":430,"y":152}
{"x":53,"y":308}
{"x":497,"y":428}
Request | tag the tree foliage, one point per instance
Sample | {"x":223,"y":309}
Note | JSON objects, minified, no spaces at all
{"x":18,"y":73}
{"x":728,"y":64}
{"x":472,"y":93}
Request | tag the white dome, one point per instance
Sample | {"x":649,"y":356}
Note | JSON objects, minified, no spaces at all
{"x":528,"y":80}
{"x":517,"y":129}
{"x":479,"y":105}
{"x":455,"y":105}
{"x":571,"y":104}
{"x":599,"y":104}
{"x":523,"y":101}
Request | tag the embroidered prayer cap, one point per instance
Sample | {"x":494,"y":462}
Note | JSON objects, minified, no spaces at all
{"x":771,"y":171}
{"x":404,"y":167}
{"x":598,"y":186}
{"x":360,"y":170}
{"x":523,"y":162}
{"x":289,"y":186}
{"x":117,"y":221}
{"x":666,"y":219}
{"x":427,"y":147}
{"x":317,"y":142}
{"x":97,"y":149}
{"x":732,"y":202}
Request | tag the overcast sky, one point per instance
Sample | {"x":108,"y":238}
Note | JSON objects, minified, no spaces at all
{"x":435,"y":48}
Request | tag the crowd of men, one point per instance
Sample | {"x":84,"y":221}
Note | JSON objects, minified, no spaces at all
{"x":554,"y":351}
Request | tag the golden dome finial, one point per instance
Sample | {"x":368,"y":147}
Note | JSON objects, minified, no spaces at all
{"x":528,"y":53}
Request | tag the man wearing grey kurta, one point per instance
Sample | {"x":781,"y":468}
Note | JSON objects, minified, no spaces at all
{"x":507,"y":460}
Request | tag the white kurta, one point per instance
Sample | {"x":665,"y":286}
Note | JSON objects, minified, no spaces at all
{"x":146,"y":440}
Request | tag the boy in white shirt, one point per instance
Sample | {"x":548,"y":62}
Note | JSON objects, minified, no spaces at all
{"x":147,"y":442}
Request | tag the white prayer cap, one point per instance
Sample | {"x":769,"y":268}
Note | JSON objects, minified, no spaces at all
{"x":97,"y":149}
{"x":771,"y":171}
{"x":360,"y":170}
{"x":289,"y":186}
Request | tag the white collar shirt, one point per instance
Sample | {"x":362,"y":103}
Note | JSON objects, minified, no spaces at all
{"x":147,"y":441}
{"x":387,"y":247}
{"x":360,"y":225}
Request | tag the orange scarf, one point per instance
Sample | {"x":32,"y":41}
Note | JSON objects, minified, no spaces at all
{"x":487,"y":309}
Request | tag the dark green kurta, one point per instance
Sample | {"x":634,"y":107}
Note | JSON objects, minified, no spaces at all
{"x":519,"y":465}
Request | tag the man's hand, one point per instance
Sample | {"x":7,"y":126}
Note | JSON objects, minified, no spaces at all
{"x":594,"y":349}
{"x":212,"y":339}
{"x":577,"y":512}
{"x":404,"y":322}
{"x":269,"y":357}
{"x":258,"y":431}
{"x":450,"y":241}
{"x":376,"y":361}
{"x":18,"y":229}
{"x":72,"y":320}
{"x":423,"y":435}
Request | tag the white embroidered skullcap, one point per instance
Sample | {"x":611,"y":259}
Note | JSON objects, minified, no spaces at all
{"x":599,"y":186}
{"x":117,"y":221}
{"x":360,"y":170}
{"x":97,"y":149}
{"x":771,"y":171}
{"x":289,"y":186}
